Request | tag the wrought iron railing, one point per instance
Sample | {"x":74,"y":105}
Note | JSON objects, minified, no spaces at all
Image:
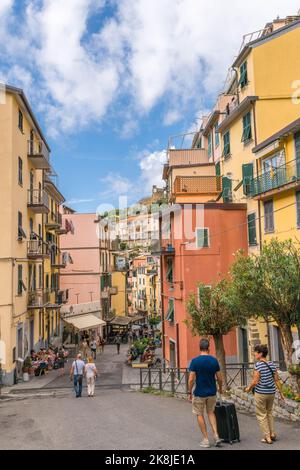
{"x":37,"y":248}
{"x":38,"y":298}
{"x":276,"y":178}
{"x":38,"y":197}
{"x":175,"y":380}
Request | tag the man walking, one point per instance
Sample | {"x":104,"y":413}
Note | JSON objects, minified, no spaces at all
{"x":77,"y":373}
{"x":93,"y":346}
{"x":118,"y":343}
{"x":205,"y":370}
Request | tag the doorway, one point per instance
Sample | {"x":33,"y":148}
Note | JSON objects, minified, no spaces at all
{"x":172,"y":354}
{"x":31,"y":334}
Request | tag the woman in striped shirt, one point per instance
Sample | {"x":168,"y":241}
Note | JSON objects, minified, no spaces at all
{"x":265,"y":381}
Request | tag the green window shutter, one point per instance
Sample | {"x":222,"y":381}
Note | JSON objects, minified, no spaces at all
{"x":247,"y":170}
{"x":252,"y":229}
{"x":218,"y":169}
{"x":170,"y":313}
{"x":226,"y":141}
{"x":217,"y":136}
{"x":247,"y":130}
{"x":202,"y":238}
{"x":243,"y":81}
{"x":169,"y":274}
{"x":199,"y":144}
{"x":102,"y":280}
{"x":227,"y":189}
{"x":20,"y":279}
{"x":209,"y":151}
{"x":269,"y":216}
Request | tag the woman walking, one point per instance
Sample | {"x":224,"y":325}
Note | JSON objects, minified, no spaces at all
{"x":91,"y":374}
{"x":265,"y":381}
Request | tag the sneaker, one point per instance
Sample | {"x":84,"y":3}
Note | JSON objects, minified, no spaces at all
{"x":218,"y":441}
{"x":205,"y":443}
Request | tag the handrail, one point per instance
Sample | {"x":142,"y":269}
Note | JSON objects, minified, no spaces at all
{"x":274,"y":178}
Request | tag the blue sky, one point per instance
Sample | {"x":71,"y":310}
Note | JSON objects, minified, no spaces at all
{"x":111,"y":80}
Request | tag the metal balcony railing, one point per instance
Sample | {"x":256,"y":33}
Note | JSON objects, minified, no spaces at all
{"x":37,"y":248}
{"x":37,"y":148}
{"x":197,"y":185}
{"x":38,"y":197}
{"x":62,"y":297}
{"x":38,"y":298}
{"x":276,"y":178}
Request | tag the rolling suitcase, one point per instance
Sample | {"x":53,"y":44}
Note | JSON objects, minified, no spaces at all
{"x":227,"y":422}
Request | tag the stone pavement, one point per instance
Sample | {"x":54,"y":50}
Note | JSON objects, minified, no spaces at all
{"x":117,"y":418}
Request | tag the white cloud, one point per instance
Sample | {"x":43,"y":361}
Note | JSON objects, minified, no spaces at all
{"x":115,"y":185}
{"x":151,"y":166}
{"x":172,"y":52}
{"x":79,"y":201}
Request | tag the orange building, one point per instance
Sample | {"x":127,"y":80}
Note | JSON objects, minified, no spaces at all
{"x":217,"y":232}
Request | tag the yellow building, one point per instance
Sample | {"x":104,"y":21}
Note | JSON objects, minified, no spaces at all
{"x":25,"y":157}
{"x":255,"y":108}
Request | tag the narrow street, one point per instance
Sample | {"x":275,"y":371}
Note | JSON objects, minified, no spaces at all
{"x":116,"y":418}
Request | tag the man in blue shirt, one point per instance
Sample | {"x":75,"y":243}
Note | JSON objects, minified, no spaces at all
{"x":205,"y":370}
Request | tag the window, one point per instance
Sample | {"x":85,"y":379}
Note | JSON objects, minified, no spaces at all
{"x":170,"y":312}
{"x":269,"y":216}
{"x":298,"y":208}
{"x":21,"y":233}
{"x":247,"y":170}
{"x":20,"y":171}
{"x":227,"y":189}
{"x":243,"y":75}
{"x":217,"y":135}
{"x":21,"y":285}
{"x":226,"y":142}
{"x":247,"y":131}
{"x":199,"y":144}
{"x":202,"y":237}
{"x":20,"y":120}
{"x":47,"y":281}
{"x":252,"y":229}
{"x":218,"y":169}
{"x":209,"y":149}
{"x":169,"y":274}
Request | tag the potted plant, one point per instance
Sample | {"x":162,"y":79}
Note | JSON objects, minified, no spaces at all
{"x":25,"y":369}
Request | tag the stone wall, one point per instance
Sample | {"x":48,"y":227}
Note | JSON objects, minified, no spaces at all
{"x":245,"y":402}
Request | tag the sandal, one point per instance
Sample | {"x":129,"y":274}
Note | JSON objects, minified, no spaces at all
{"x":266,"y":441}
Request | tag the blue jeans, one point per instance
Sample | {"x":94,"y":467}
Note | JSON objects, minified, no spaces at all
{"x":78,"y":385}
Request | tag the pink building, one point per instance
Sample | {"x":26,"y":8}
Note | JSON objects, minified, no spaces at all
{"x":81,"y":247}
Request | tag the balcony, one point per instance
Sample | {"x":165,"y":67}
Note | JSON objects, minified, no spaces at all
{"x":38,"y":201}
{"x":187,"y":157}
{"x":38,"y":298}
{"x":197,"y":185}
{"x":37,"y":249}
{"x":62,"y":297}
{"x":54,"y":221}
{"x":58,"y":262}
{"x":165,"y":248}
{"x":278,"y":179}
{"x":39,"y":154}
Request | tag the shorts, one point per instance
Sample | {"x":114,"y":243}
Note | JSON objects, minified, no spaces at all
{"x":204,"y":403}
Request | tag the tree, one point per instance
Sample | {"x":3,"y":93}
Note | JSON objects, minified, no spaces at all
{"x":214,"y":315}
{"x":268,"y":286}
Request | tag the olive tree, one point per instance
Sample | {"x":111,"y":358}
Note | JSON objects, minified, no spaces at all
{"x":214,"y":314}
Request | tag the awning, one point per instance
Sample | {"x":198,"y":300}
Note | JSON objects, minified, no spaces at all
{"x":84,"y":322}
{"x":121,"y":321}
